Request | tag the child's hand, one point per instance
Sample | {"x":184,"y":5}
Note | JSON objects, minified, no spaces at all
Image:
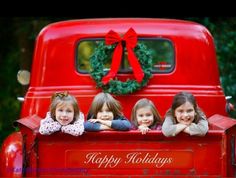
{"x":105,"y":123}
{"x":93,"y":120}
{"x":179,"y":128}
{"x":143,"y":129}
{"x":186,"y":130}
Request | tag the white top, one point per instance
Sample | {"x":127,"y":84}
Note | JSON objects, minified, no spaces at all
{"x":49,"y":126}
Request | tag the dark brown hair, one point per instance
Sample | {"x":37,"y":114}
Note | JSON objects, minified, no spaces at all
{"x":181,"y":98}
{"x":97,"y":104}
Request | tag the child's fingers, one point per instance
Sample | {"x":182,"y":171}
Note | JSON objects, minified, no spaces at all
{"x":92,"y":120}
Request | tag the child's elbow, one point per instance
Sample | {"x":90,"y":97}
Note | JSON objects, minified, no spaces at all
{"x":167,"y":133}
{"x":126,"y":127}
{"x":89,"y":126}
{"x":204,"y":131}
{"x":165,"y":130}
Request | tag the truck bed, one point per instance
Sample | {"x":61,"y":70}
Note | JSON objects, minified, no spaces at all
{"x":131,"y":154}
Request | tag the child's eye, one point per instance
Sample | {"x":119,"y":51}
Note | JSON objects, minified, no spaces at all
{"x":180,"y":111}
{"x":190,"y":110}
{"x":149,"y":114}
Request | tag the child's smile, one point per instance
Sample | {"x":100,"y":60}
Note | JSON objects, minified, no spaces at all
{"x":185,"y":113}
{"x":145,"y":116}
{"x":65,"y":114}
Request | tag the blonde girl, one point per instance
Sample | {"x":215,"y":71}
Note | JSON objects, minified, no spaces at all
{"x":64,"y":115}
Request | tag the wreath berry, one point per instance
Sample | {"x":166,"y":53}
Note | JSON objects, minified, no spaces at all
{"x":114,"y":86}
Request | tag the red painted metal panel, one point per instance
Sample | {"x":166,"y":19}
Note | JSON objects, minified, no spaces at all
{"x":11,"y":160}
{"x":196,"y":67}
{"x":150,"y":154}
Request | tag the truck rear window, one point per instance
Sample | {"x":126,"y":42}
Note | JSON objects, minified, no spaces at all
{"x":162,"y":51}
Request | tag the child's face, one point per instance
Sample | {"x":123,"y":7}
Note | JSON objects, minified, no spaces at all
{"x":64,"y":113}
{"x":144,"y":116}
{"x":105,"y":113}
{"x":185,"y":113}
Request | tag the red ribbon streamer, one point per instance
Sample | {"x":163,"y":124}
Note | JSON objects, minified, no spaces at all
{"x":130,"y":39}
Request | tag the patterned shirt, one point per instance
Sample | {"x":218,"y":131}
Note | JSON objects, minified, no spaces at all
{"x":49,"y":126}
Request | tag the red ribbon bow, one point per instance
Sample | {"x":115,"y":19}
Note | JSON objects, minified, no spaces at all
{"x":130,"y":39}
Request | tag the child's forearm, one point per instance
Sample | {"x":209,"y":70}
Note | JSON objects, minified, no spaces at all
{"x":124,"y":125}
{"x":49,"y":128}
{"x":199,"y":129}
{"x":105,"y":122}
{"x":105,"y":127}
{"x":75,"y":129}
{"x":180,"y":128}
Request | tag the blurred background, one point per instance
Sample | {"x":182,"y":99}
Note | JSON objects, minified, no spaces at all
{"x":17,"y":38}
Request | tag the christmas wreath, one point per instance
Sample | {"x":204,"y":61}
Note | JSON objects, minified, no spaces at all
{"x":108,"y":82}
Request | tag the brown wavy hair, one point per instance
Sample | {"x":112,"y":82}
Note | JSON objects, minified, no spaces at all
{"x":61,"y":98}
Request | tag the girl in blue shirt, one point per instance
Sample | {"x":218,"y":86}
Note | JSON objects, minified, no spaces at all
{"x":105,"y":114}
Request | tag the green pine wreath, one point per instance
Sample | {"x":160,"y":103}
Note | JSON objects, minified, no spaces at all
{"x":101,"y":56}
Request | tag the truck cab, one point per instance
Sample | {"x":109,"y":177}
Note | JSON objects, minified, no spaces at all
{"x":182,"y":57}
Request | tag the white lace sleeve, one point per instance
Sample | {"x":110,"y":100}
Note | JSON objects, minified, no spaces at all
{"x":75,"y":129}
{"x":48,"y":125}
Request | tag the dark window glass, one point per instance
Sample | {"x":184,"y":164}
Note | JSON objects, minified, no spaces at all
{"x":162,"y":51}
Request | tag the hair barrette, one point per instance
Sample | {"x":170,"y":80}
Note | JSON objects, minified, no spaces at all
{"x":61,"y":94}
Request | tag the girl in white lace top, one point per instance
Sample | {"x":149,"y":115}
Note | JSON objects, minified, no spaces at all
{"x":64,"y":115}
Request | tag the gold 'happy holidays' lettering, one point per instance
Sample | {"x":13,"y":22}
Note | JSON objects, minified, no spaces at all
{"x":111,"y":161}
{"x":105,"y":161}
{"x":139,"y":158}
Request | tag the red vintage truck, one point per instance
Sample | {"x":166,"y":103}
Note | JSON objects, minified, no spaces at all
{"x":72,"y":56}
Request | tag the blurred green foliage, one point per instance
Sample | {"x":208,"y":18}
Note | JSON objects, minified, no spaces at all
{"x":17,"y":37}
{"x":224,"y":32}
